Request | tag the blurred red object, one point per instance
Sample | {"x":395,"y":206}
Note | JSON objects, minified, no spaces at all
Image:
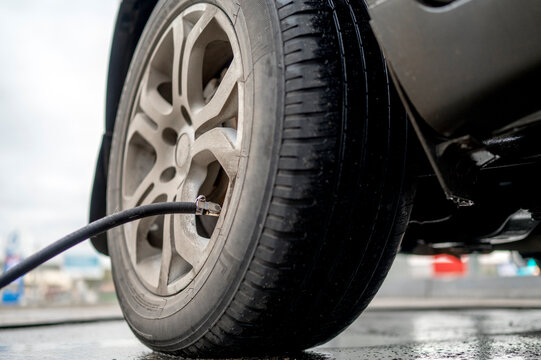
{"x":445,"y":265}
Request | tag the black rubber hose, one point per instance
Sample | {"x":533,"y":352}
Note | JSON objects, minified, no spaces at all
{"x":94,"y":228}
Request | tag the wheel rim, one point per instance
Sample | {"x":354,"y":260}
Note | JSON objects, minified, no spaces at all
{"x":183,"y":140}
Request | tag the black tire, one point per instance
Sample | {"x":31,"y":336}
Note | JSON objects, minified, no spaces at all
{"x":322,"y":208}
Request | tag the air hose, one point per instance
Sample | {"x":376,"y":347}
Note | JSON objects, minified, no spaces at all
{"x":200,"y":207}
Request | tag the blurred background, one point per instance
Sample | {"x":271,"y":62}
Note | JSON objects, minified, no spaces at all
{"x":53,"y":68}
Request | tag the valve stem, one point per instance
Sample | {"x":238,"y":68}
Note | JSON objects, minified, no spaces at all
{"x":204,"y":207}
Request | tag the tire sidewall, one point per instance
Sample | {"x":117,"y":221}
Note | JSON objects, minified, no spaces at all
{"x":174,"y":322}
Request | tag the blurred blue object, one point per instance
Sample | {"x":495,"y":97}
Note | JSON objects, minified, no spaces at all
{"x":13,"y":293}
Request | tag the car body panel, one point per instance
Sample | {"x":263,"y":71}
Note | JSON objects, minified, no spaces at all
{"x":131,"y":19}
{"x":468,"y":66}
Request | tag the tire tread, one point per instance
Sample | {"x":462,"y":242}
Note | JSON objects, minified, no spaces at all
{"x":283,"y":302}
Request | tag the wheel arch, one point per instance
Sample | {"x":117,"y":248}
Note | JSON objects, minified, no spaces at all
{"x":131,"y":19}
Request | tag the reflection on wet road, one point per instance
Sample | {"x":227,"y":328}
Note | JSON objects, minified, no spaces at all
{"x":467,"y":334}
{"x":380,"y":334}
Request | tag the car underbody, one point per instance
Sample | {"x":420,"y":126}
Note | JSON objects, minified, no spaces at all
{"x":476,"y":117}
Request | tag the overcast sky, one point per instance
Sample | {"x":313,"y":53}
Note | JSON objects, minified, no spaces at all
{"x":53,"y":68}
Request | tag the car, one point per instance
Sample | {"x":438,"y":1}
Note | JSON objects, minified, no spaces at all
{"x":333,"y":133}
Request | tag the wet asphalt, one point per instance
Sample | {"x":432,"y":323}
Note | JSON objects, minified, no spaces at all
{"x":377,"y":334}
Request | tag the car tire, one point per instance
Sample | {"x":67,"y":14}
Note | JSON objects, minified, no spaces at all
{"x":309,"y":167}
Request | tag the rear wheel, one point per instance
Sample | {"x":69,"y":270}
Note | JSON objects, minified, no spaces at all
{"x":280,"y":111}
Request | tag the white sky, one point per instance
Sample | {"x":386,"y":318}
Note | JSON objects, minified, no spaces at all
{"x":53,"y":70}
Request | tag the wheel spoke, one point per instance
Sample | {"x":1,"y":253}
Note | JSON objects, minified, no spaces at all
{"x":219,"y":144}
{"x":131,"y":236}
{"x":164,"y":153}
{"x":187,"y":241}
{"x":150,"y":266}
{"x":138,"y":246}
{"x":151,"y":187}
{"x":147,"y":128}
{"x":150,"y":100}
{"x":142,"y":191}
{"x":192,"y":62}
{"x":167,"y":252}
{"x":223,"y":105}
{"x":178,"y":43}
{"x":155,"y":94}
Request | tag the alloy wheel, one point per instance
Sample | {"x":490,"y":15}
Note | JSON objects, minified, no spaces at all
{"x":183,"y":140}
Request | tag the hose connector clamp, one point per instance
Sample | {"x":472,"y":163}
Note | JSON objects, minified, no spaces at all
{"x":204,"y":207}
